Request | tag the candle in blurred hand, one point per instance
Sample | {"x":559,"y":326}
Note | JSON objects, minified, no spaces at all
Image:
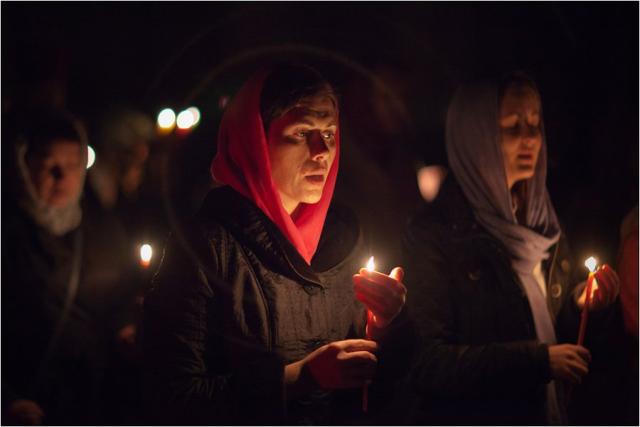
{"x":371,"y":266}
{"x":591,"y":263}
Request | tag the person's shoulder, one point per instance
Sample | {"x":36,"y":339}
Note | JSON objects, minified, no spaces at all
{"x":427,"y":216}
{"x":430,"y":216}
{"x":449,"y":207}
{"x":439,"y":220}
{"x":224,"y":210}
{"x":218,"y":204}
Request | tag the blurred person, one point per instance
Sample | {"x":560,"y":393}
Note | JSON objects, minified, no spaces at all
{"x":65,"y":287}
{"x":609,"y":394}
{"x":628,"y":268}
{"x":119,"y":181}
{"x":123,"y":138}
{"x":255,"y":316}
{"x":489,"y":273}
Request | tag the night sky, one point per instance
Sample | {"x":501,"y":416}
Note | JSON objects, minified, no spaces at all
{"x":90,"y":57}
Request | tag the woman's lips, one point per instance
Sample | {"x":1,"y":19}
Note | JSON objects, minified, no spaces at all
{"x":315,"y":179}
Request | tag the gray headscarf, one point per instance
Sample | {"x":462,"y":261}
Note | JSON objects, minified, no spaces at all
{"x":475,"y":158}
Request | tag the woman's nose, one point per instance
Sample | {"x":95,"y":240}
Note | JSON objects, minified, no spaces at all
{"x":57,"y":173}
{"x":317,"y":145}
{"x":529,"y":135}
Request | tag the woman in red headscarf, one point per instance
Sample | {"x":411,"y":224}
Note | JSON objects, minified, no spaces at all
{"x":253,"y":318}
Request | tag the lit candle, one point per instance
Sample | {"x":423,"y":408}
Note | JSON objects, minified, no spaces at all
{"x":371,"y":266}
{"x":145,"y":255}
{"x":591,"y":264}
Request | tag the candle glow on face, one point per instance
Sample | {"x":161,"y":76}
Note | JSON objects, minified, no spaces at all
{"x":591,"y":263}
{"x":371,"y":265}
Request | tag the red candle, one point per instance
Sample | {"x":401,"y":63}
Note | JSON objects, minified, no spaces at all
{"x":365,"y":388}
{"x":590,"y":263}
{"x":585,"y":310}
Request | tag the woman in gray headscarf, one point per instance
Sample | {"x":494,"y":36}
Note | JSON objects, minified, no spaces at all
{"x":489,"y":275}
{"x":65,"y":277}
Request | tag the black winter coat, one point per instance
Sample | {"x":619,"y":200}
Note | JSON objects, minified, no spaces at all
{"x":64,"y":375}
{"x":478,"y":360}
{"x":232,"y":303}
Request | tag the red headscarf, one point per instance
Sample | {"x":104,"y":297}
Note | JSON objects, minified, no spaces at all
{"x":242,"y":162}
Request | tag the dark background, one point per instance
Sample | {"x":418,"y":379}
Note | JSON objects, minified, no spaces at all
{"x":396,"y":66}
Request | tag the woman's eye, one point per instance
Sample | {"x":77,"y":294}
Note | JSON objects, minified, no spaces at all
{"x":327,"y":135}
{"x":300,"y":134}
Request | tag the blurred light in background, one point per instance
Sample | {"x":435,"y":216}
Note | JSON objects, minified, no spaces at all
{"x":430,"y":178}
{"x":166,"y":119}
{"x":196,"y":115}
{"x":185,"y":119}
{"x":91,"y":156}
{"x":145,"y":255}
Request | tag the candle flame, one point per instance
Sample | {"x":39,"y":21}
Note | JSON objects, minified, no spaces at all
{"x":371,"y":265}
{"x":146,"y":253}
{"x":591,"y":263}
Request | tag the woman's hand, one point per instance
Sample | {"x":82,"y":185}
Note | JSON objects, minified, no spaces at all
{"x":604,"y":290}
{"x":340,"y":364}
{"x":383,"y":295}
{"x":569,"y":362}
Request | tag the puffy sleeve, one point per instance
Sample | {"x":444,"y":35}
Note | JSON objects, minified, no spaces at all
{"x":188,"y":378}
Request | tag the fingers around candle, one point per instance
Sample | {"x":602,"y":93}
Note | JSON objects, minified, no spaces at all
{"x":371,"y":303}
{"x":380,"y":278}
{"x":384,"y":292}
{"x":377,"y":307}
{"x":397,"y":273}
{"x":596,"y":299}
{"x":612,"y":280}
{"x":606,"y":286}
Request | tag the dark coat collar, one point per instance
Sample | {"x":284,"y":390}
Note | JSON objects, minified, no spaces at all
{"x":252,"y":228}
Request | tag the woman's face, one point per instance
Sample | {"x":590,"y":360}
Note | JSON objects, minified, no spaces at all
{"x":302,"y":148}
{"x":520,"y":135}
{"x":56,"y":173}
